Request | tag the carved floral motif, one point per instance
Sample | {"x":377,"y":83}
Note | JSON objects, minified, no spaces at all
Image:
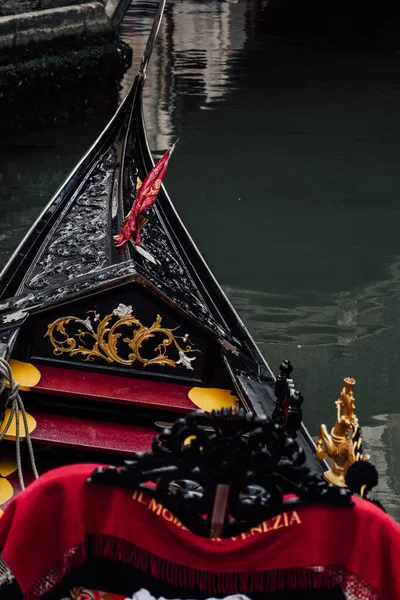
{"x":102,"y":338}
{"x":79,"y":243}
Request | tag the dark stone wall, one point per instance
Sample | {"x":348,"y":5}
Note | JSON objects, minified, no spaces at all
{"x":16,"y":7}
{"x":73,"y":24}
{"x":59,"y":61}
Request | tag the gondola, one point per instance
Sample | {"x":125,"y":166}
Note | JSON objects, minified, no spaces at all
{"x":134,"y":357}
{"x":111,"y":345}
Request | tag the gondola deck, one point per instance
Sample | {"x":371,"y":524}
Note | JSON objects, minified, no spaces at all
{"x":103,"y":387}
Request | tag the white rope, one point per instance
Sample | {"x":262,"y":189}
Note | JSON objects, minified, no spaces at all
{"x":16,"y":406}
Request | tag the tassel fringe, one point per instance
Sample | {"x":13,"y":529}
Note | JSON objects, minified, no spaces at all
{"x":189,"y":578}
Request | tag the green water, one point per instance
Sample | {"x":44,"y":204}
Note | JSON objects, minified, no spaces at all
{"x":286,"y":175}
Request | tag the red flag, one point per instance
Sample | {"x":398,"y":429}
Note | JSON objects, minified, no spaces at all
{"x":145,"y":198}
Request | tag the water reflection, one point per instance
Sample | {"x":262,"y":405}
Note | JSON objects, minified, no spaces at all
{"x":319,"y":318}
{"x":382,"y":443}
{"x":332,"y":335}
{"x":196,"y":44}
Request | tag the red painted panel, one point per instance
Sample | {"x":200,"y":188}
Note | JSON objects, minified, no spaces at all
{"x":114,"y":388}
{"x":88,"y":434}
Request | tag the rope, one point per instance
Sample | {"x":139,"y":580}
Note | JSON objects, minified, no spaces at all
{"x":16,"y":406}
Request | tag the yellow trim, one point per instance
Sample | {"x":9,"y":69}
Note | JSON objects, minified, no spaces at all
{"x":8,"y":465}
{"x":188,"y":440}
{"x":11,"y":432}
{"x":212,"y":398}
{"x":6,"y":490}
{"x":25,"y":374}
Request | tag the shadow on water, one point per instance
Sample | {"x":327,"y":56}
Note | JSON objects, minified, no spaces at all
{"x":286,"y":176}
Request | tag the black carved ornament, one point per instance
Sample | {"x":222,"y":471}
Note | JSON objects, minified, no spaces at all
{"x":288,"y":410}
{"x":222,"y":473}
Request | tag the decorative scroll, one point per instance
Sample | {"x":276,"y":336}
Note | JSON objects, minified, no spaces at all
{"x":101,"y":338}
{"x":22,"y":304}
{"x":288,"y":411}
{"x":344,"y":444}
{"x":79,"y":243}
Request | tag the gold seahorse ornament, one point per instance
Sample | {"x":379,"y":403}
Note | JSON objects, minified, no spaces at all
{"x":344,"y":444}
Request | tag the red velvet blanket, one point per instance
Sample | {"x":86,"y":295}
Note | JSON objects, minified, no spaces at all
{"x":48,"y":530}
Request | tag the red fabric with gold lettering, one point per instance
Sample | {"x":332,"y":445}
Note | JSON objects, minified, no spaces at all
{"x":45,"y":530}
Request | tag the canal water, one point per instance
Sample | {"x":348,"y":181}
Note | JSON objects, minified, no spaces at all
{"x":286,"y":175}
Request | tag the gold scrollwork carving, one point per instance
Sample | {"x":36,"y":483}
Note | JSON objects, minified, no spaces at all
{"x":101,"y":338}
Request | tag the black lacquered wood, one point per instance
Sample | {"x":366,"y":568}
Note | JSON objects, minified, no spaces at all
{"x":263,"y":467}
